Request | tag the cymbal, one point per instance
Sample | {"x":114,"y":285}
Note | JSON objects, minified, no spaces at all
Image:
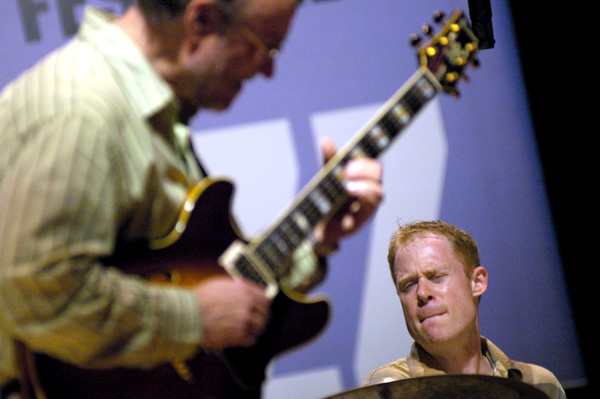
{"x":446,"y":387}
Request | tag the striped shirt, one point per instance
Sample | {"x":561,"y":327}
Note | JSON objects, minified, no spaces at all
{"x":91,"y":154}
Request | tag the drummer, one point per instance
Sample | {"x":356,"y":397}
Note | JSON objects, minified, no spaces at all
{"x":438,"y":277}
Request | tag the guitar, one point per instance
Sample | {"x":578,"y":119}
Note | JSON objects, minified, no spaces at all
{"x":204,"y":243}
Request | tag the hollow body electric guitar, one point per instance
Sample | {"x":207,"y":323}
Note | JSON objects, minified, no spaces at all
{"x":203,"y":244}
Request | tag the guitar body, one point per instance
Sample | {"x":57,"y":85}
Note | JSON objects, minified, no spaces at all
{"x":192,"y":257}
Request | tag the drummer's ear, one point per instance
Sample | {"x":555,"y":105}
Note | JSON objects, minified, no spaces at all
{"x":479,"y":282}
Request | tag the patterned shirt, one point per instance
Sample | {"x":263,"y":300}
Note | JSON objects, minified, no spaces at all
{"x":92,"y":156}
{"x":415,"y":366}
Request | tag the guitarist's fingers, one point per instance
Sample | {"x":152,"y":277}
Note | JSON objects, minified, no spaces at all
{"x":356,"y":212}
{"x":328,"y":148}
{"x":364,"y":185}
{"x":260,"y":311}
{"x":367,"y":196}
{"x":364,"y":169}
{"x":254,"y":314}
{"x":234,"y":312}
{"x":259,"y":318}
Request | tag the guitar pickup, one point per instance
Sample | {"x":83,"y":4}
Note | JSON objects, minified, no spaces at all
{"x":240,"y":264}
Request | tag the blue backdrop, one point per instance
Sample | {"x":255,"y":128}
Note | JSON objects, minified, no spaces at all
{"x":471,"y":161}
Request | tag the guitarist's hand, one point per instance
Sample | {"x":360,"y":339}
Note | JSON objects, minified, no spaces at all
{"x":364,"y":185}
{"x":234,"y":312}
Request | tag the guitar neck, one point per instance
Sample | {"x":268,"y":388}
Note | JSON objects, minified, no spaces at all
{"x":325,"y":193}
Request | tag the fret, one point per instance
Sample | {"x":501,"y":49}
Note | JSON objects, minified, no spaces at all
{"x":378,"y":135}
{"x":344,"y":161}
{"x":426,"y":88}
{"x":327,"y":191}
{"x":278,"y":247}
{"x":332,"y":185}
{"x":337,"y":173}
{"x":391,"y":124}
{"x":292,"y":233}
{"x":279,"y":240}
{"x":411,"y":102}
{"x":248,"y":271}
{"x":369,"y":147}
{"x":271,"y":254}
{"x":401,"y":113}
{"x":421,"y":92}
{"x":288,"y":235}
{"x":310,"y":210}
{"x":324,"y":190}
{"x":302,"y":222}
{"x":320,"y":201}
{"x":324,"y":200}
{"x":357,"y":152}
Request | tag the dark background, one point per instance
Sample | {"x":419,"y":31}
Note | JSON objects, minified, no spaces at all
{"x":559,"y":67}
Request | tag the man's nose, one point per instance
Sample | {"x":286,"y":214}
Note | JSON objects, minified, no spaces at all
{"x":424,"y":291}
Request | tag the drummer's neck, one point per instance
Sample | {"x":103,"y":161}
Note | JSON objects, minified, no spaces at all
{"x":464,"y":358}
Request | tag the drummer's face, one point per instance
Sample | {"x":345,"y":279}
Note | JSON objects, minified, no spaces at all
{"x":438,"y":298}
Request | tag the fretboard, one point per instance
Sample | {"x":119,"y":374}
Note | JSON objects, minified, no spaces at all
{"x":325,"y":193}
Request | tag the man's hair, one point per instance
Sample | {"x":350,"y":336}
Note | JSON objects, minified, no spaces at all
{"x":462,"y":243}
{"x":160,"y":11}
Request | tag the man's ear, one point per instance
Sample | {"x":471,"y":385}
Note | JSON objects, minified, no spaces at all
{"x":202,"y":17}
{"x":479,"y":281}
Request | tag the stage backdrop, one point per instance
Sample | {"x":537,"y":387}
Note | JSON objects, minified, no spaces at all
{"x":470,"y":161}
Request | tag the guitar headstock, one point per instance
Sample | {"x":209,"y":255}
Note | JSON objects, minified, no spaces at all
{"x":447,"y":53}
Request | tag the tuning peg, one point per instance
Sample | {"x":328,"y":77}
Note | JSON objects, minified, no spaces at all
{"x":415,"y":40}
{"x":427,"y":29}
{"x":452,"y":91}
{"x":438,"y":16}
{"x":451,"y":77}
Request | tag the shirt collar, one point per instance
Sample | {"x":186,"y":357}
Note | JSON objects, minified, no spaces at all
{"x":502,"y":365}
{"x":420,"y":363}
{"x":143,"y":86}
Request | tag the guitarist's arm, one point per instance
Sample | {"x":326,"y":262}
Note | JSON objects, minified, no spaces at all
{"x":57,"y":293}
